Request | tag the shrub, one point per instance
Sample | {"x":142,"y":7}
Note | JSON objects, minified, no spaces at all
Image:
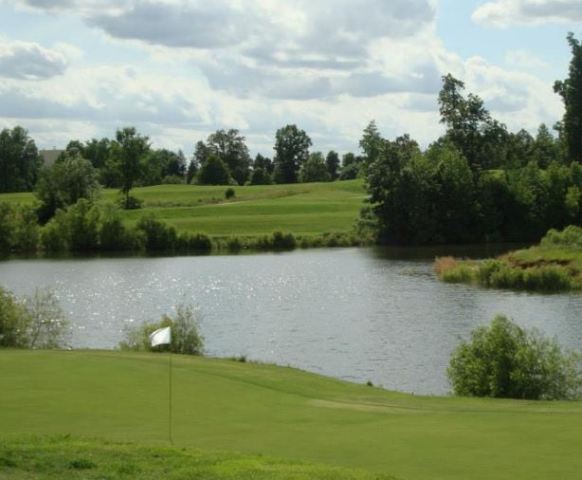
{"x":504,"y":360}
{"x":173,"y":180}
{"x":283,"y":241}
{"x":129,"y":203}
{"x":229,"y":193}
{"x":36,"y":322}
{"x":157,"y":236}
{"x":186,"y":338}
{"x":46,"y":322}
{"x":12,"y":321}
{"x":570,"y":237}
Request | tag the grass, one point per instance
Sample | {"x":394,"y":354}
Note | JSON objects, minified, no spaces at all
{"x":62,"y":457}
{"x":222,"y":405}
{"x":301,"y":209}
{"x":552,"y":266}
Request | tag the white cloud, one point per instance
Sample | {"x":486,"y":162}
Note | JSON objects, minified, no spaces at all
{"x":31,"y":61}
{"x":523,"y":59}
{"x":503,"y":13}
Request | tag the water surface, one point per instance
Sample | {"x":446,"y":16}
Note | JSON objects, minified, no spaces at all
{"x":356,"y":314}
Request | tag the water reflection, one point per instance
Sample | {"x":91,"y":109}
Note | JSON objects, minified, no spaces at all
{"x":358,"y":314}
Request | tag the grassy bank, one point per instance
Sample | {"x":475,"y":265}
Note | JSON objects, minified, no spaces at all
{"x":302,"y":209}
{"x":61,"y":457}
{"x":222,"y":405}
{"x":555,"y":265}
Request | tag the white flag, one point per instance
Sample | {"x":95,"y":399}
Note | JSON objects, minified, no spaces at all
{"x":162,"y":336}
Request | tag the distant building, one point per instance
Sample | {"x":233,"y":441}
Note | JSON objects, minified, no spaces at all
{"x":49,"y":157}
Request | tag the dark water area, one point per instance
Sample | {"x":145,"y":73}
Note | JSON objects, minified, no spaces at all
{"x":362,"y":315}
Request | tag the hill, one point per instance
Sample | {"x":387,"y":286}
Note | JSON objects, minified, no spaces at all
{"x":301,"y":209}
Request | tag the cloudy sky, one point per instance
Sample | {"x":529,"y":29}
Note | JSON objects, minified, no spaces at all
{"x":180,"y":69}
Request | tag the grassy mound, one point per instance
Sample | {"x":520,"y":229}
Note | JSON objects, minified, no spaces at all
{"x":553,"y":266}
{"x":222,"y":405}
{"x":301,"y":209}
{"x":61,"y":457}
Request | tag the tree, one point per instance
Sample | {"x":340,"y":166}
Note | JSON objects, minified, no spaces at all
{"x":192,"y":170}
{"x":504,"y":360}
{"x":570,"y":90}
{"x":129,"y":149}
{"x":162,"y":163}
{"x":65,"y":183}
{"x":19,"y":161}
{"x":264,"y":163}
{"x":371,"y":144}
{"x":231,"y":148}
{"x":97,"y":151}
{"x":214,"y":172}
{"x":481,"y":139}
{"x":291,"y":150}
{"x":314,"y":169}
{"x":545,"y":148}
{"x":332,"y":162}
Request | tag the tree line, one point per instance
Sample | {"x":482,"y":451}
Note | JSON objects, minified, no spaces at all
{"x":478,"y":182}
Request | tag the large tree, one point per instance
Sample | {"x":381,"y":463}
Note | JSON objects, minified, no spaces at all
{"x":291,"y":150}
{"x":570,"y":90}
{"x":230,"y":146}
{"x":128,"y":150}
{"x":314,"y":169}
{"x":19,"y":161}
{"x":481,"y":139}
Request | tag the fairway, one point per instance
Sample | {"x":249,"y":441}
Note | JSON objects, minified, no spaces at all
{"x":222,"y":405}
{"x":302,"y":209}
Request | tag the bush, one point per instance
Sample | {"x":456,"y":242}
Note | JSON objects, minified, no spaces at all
{"x":570,"y":237}
{"x":186,"y":338}
{"x":506,"y":361}
{"x":158,"y":237}
{"x":229,"y":193}
{"x":173,"y":180}
{"x":129,"y":203}
{"x":36,"y":322}
{"x":12,"y":321}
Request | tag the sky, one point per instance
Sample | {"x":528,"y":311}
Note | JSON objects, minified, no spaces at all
{"x":178,"y":70}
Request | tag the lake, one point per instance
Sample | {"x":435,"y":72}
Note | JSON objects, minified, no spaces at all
{"x":376,"y":315}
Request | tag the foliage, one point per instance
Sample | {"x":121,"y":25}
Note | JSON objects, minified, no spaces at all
{"x":19,"y":230}
{"x":570,"y":237}
{"x":19,"y":161}
{"x":260,"y":177}
{"x":230,"y":147}
{"x":13,"y":321}
{"x":213,"y":172}
{"x":291,"y":151}
{"x":47,"y":323}
{"x":314,"y":169}
{"x":35,"y":322}
{"x":506,"y":361}
{"x":128,"y":152}
{"x":571,"y":92}
{"x":185,"y":338}
{"x":229,"y":193}
{"x":65,"y":183}
{"x":332,"y":162}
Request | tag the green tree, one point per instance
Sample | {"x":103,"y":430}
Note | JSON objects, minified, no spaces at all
{"x":545,"y":148}
{"x":372,"y":144}
{"x":230,"y":146}
{"x":291,"y":150}
{"x":570,"y":90}
{"x":64,"y":183}
{"x":19,"y":161}
{"x":482,"y":140}
{"x":214,"y":172}
{"x":332,"y":162}
{"x":128,"y":150}
{"x":264,"y":163}
{"x":192,"y":170}
{"x":314,"y":169}
{"x":504,"y":360}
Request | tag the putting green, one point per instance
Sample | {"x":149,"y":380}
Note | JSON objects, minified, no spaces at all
{"x":281,"y":412}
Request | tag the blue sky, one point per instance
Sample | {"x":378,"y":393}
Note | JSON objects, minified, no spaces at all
{"x":180,"y":69}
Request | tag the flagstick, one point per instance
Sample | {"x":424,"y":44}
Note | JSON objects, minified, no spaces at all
{"x":170,"y":399}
